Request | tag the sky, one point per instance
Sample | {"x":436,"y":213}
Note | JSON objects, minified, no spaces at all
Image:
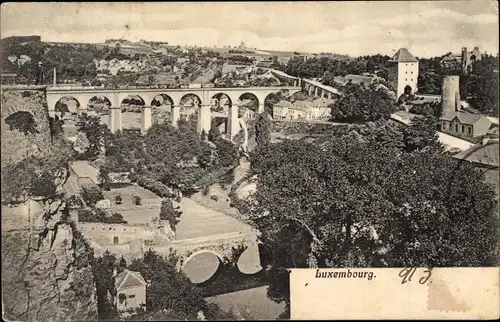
{"x":426,"y":28}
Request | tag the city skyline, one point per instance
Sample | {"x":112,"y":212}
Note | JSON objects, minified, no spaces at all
{"x":355,"y":28}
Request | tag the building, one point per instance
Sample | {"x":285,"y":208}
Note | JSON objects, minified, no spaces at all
{"x":454,"y":120}
{"x":403,"y":73}
{"x":280,"y":110}
{"x":465,"y":125}
{"x":302,"y":110}
{"x":130,"y":291}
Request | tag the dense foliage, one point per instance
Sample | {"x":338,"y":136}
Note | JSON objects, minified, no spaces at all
{"x":422,"y":133}
{"x":97,"y":215}
{"x":36,"y":175}
{"x":359,"y":104}
{"x":351,"y":203}
{"x":175,"y":157}
{"x":479,"y":86}
{"x":263,"y":129}
{"x":337,"y":66}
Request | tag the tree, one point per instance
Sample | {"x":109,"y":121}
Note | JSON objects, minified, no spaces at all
{"x":203,"y":135}
{"x":359,"y":104}
{"x":91,"y":194}
{"x":169,"y":289}
{"x":483,"y":85}
{"x":104,"y":179}
{"x":56,"y":128}
{"x":347,"y":203}
{"x":213,"y":133}
{"x":102,"y":269}
{"x":137,"y":200}
{"x":23,"y":122}
{"x":422,"y":133}
{"x":98,"y":215}
{"x":96,"y":133}
{"x":62,"y":108}
{"x":169,"y":213}
{"x":262,"y":129}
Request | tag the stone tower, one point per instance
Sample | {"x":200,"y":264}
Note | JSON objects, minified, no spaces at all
{"x":403,"y":73}
{"x":450,"y":95}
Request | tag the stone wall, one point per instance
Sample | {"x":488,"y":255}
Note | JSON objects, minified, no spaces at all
{"x":46,"y":265}
{"x":17,"y":144}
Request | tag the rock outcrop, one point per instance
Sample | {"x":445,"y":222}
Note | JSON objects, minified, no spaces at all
{"x":25,"y":122}
{"x":46,"y":264}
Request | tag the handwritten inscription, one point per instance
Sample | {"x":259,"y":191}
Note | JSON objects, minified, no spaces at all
{"x":407,"y":273}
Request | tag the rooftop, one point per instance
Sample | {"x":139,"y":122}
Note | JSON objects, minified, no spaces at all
{"x":465,"y":118}
{"x":129,"y":279}
{"x":486,"y":154}
{"x":403,"y":56}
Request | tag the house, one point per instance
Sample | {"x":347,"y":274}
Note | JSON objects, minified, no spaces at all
{"x":130,"y":291}
{"x":317,"y":109}
{"x":280,"y":109}
{"x":465,"y":125}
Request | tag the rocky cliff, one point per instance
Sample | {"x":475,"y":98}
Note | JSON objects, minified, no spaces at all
{"x":46,"y":271}
{"x":25,"y":122}
{"x":46,"y":263}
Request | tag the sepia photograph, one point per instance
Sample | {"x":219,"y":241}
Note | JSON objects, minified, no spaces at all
{"x":165,"y":161}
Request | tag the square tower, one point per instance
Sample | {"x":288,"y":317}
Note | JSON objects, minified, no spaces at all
{"x":403,"y":73}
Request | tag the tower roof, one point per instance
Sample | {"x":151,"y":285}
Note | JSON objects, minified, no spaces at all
{"x":403,"y":56}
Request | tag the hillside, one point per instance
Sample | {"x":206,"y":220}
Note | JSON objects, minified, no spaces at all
{"x":121,"y":62}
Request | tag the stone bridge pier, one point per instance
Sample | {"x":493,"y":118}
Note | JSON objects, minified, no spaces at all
{"x":202,"y":103}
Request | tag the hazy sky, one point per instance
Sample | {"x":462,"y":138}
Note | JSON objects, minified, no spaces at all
{"x":355,"y":28}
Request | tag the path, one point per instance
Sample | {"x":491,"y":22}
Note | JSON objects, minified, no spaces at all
{"x":198,"y":221}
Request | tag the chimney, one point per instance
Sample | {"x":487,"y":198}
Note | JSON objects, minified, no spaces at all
{"x":54,"y":82}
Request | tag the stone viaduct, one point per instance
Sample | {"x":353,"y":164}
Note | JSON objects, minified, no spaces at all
{"x":174,"y":96}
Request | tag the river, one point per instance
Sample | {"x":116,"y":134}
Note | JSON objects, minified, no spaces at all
{"x":252,"y":304}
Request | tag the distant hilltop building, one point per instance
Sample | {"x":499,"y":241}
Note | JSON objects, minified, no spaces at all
{"x":465,"y":59}
{"x":403,"y":73}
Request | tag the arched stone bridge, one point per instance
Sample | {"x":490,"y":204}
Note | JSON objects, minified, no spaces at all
{"x":201,"y":258}
{"x":147,"y":95}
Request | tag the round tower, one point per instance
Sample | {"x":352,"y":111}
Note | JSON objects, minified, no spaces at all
{"x":450,"y":96}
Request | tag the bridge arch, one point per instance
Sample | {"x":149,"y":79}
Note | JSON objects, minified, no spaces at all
{"x":161,"y":99}
{"x":62,"y":106}
{"x":99,"y":104}
{"x":202,"y":266}
{"x":132,"y":99}
{"x":254,"y":259}
{"x":248,"y":105}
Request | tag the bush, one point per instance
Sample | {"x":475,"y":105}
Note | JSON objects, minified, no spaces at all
{"x":118,"y":200}
{"x":137,"y":200}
